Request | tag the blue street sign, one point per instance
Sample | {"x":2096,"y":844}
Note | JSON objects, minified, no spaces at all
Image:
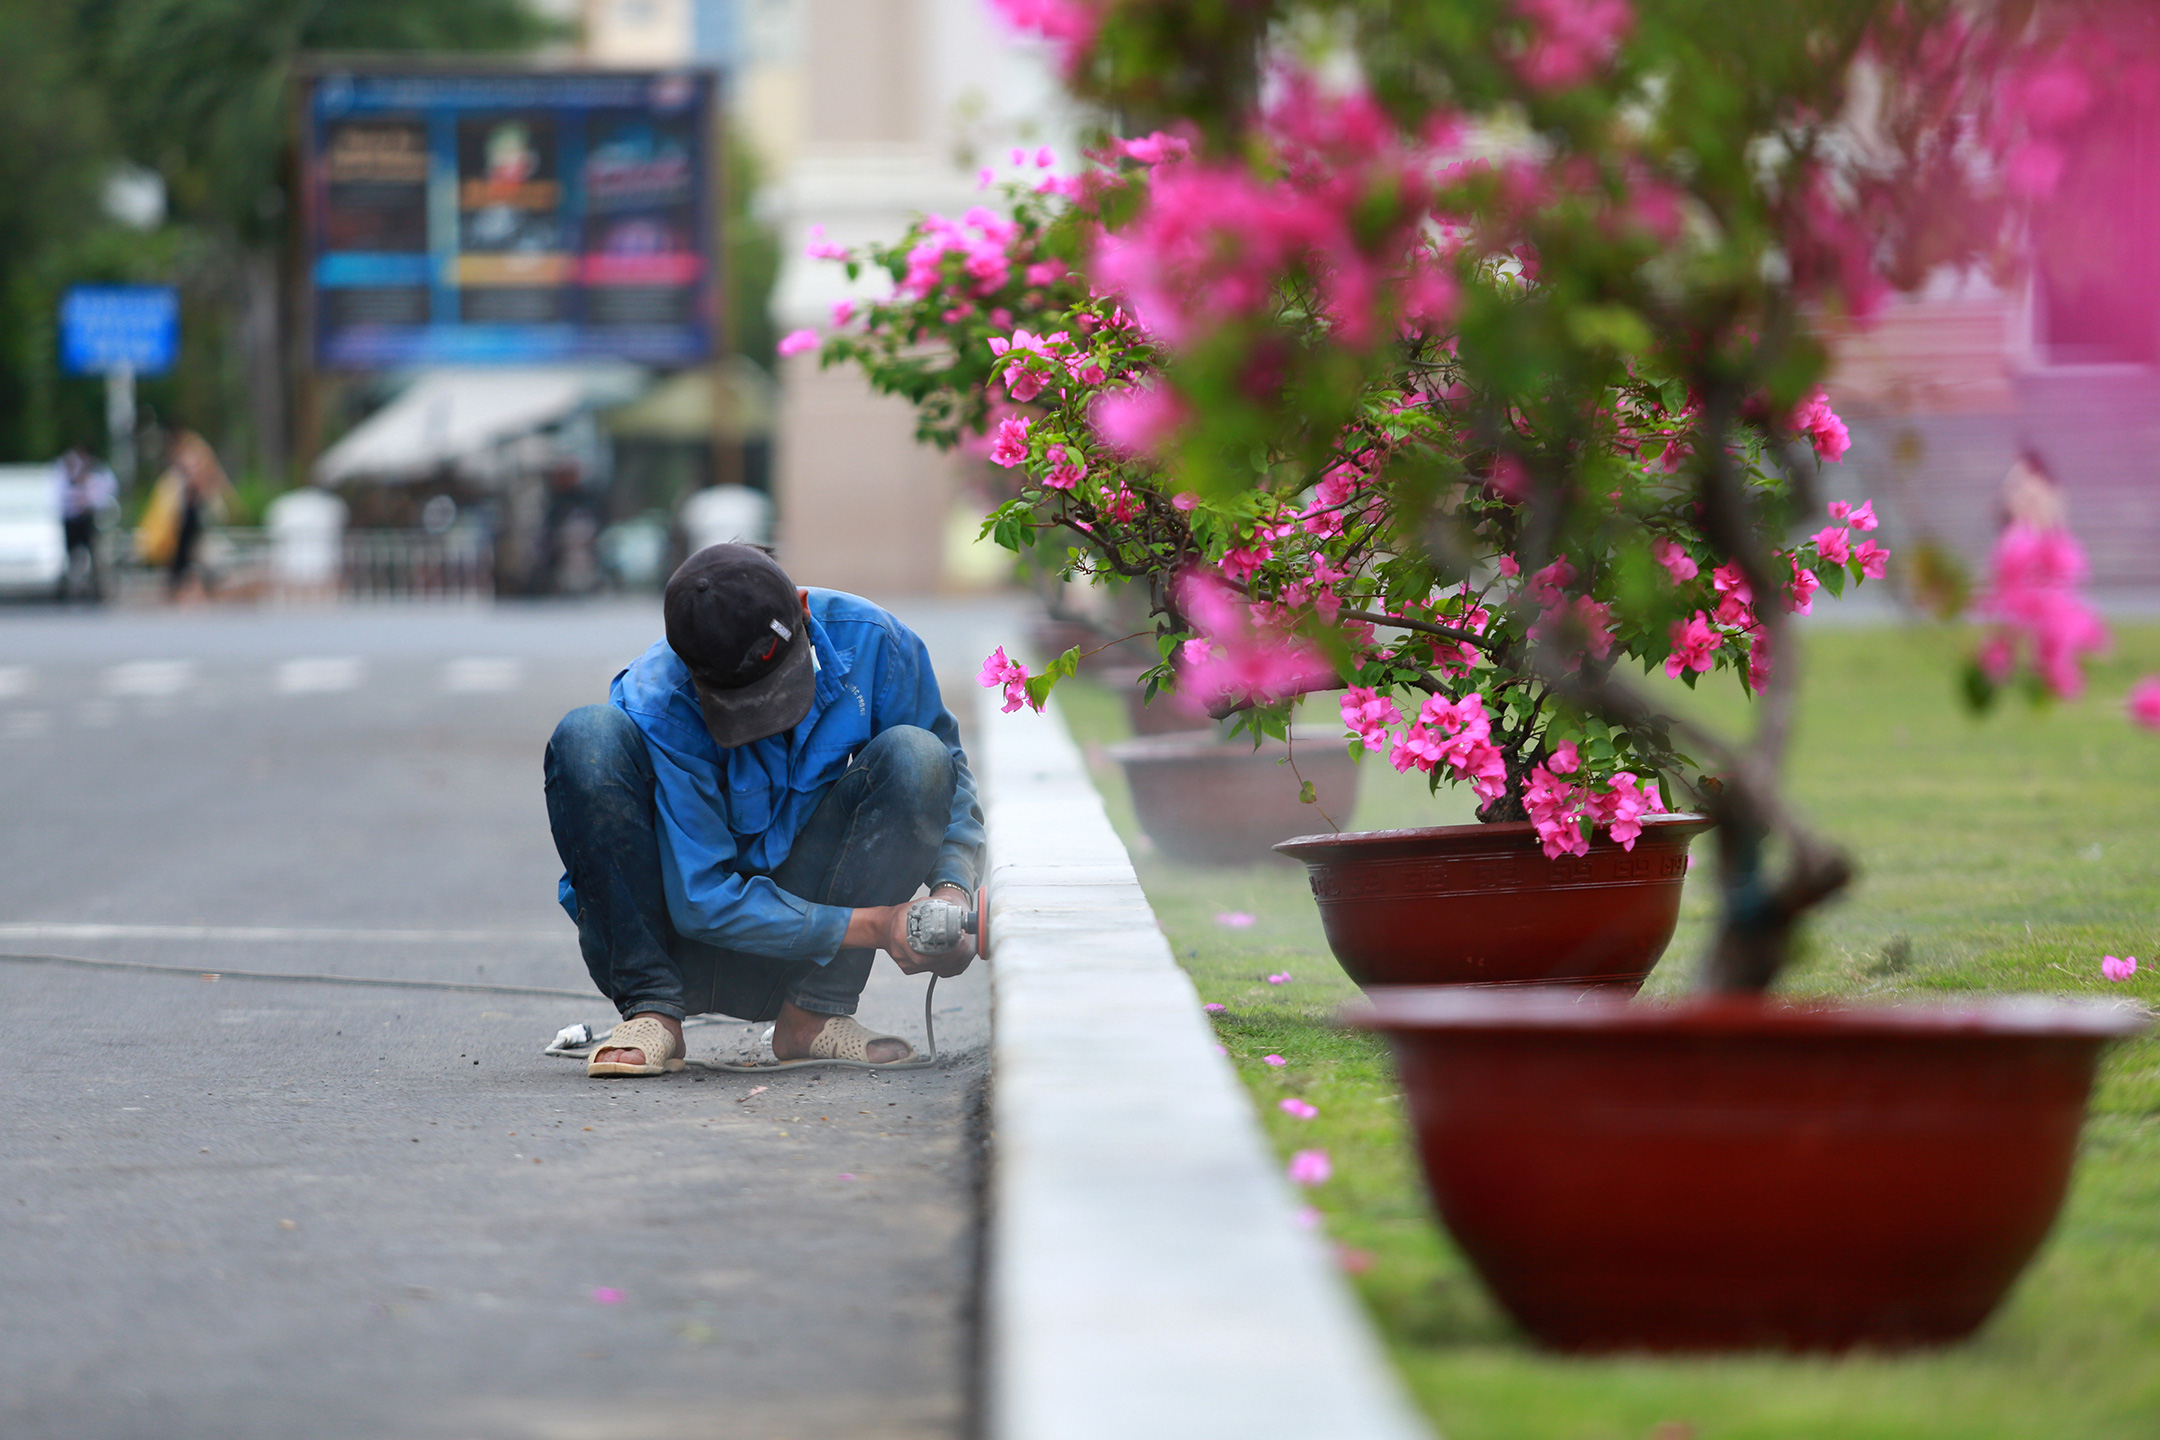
{"x":105,"y":327}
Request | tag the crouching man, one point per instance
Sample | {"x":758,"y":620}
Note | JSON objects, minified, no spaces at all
{"x":743,"y":824}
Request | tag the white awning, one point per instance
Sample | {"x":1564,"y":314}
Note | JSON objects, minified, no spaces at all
{"x":446,"y":416}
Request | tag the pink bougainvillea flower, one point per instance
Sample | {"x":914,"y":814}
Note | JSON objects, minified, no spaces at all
{"x":2144,"y":702}
{"x":1510,"y":480}
{"x":797,"y":342}
{"x":1213,"y":1007}
{"x":1570,"y":39}
{"x":1012,"y":675}
{"x":1874,"y":559}
{"x":1024,"y":383}
{"x":1065,"y":472}
{"x":1803,"y":588}
{"x":1694,"y":643}
{"x":1840,"y":510}
{"x":1564,"y":760}
{"x":1234,"y":919}
{"x":1367,"y":714}
{"x":1009,"y":446}
{"x":1677,"y":562}
{"x":1136,"y":421}
{"x":1303,"y":1109}
{"x":1242,"y":661}
{"x":1310,"y":1167}
{"x":2116,"y":969}
{"x":1184,"y":501}
{"x":1153,"y":149}
{"x":842,"y":311}
{"x":820,"y":248}
{"x":2034,"y":603}
{"x":1825,"y":431}
{"x":1280,"y":978}
{"x":607,"y":1295}
{"x":1834,"y":544}
{"x":1276,"y":1060}
{"x":1221,"y":1050}
{"x":2034,"y":169}
{"x":1862,"y":517}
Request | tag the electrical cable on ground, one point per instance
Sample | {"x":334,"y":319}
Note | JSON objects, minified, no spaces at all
{"x":475,"y":988}
{"x":209,"y":973}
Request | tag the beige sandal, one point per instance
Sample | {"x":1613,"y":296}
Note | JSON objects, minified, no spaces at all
{"x":841,"y":1038}
{"x":841,"y":1041}
{"x":644,"y":1033}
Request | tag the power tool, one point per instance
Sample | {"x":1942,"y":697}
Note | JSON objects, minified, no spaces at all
{"x":936,"y":927}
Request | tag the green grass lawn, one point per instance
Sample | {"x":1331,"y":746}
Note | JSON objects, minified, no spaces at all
{"x":2007,"y":853}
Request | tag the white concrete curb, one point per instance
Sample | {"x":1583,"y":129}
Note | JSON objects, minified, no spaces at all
{"x":1147,"y":1274}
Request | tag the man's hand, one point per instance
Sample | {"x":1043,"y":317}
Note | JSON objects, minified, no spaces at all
{"x":885,"y":927}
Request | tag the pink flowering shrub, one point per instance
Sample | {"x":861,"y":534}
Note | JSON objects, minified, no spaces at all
{"x":2039,"y":623}
{"x":1493,"y":438}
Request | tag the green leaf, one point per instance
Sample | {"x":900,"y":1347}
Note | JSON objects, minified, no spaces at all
{"x":1833,"y":579}
{"x":1307,"y":795}
{"x":1038,"y":687}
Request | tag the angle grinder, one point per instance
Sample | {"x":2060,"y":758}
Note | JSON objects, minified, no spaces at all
{"x":936,"y":927}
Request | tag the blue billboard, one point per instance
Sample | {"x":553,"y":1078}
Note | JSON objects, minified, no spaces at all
{"x":509,"y":217}
{"x":104,"y":328}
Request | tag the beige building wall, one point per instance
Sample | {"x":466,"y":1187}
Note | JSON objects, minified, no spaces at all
{"x":903,"y":100}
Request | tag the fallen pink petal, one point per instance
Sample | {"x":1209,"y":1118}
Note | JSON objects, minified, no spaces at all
{"x":1311,"y":1167}
{"x":1281,"y":979}
{"x":1276,"y":1060}
{"x":1234,"y":919}
{"x":1355,"y":1261}
{"x":1306,"y":1217}
{"x":1213,"y":1007}
{"x":2117,"y":968}
{"x":1303,"y":1109}
{"x":604,"y":1295}
{"x":845,"y":1176}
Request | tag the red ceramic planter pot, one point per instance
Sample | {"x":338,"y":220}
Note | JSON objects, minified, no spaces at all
{"x":1735,"y":1173}
{"x":1480,"y":904}
{"x":1205,"y":801}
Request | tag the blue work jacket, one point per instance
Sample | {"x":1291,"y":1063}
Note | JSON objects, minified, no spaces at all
{"x":726,"y":818}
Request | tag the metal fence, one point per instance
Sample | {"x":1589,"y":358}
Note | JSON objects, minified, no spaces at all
{"x":240,"y":562}
{"x":417,"y":565}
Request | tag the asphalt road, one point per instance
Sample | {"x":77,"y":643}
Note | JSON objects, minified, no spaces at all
{"x":243,"y":1208}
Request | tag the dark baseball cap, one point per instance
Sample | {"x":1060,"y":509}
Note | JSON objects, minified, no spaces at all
{"x":735,"y":620}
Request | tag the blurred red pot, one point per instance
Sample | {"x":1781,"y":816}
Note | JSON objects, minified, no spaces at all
{"x":1480,"y":904}
{"x":1727,"y":1174}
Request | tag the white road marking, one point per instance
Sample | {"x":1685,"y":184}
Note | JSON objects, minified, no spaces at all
{"x":320,"y":675}
{"x":60,"y":930}
{"x":150,"y":679}
{"x":479,"y":675}
{"x":15,"y":680}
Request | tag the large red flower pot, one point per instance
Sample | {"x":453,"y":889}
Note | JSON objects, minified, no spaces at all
{"x":1736,"y":1173}
{"x":1480,"y":904}
{"x":1207,"y":801}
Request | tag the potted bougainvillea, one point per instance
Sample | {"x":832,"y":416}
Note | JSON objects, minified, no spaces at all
{"x":1463,"y":362}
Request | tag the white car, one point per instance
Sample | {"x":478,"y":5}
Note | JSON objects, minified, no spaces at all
{"x":33,"y":546}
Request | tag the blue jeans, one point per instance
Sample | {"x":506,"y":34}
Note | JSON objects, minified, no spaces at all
{"x":871,"y":841}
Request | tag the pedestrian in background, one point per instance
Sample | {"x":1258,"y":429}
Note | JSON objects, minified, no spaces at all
{"x":87,"y":492}
{"x":191,"y":492}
